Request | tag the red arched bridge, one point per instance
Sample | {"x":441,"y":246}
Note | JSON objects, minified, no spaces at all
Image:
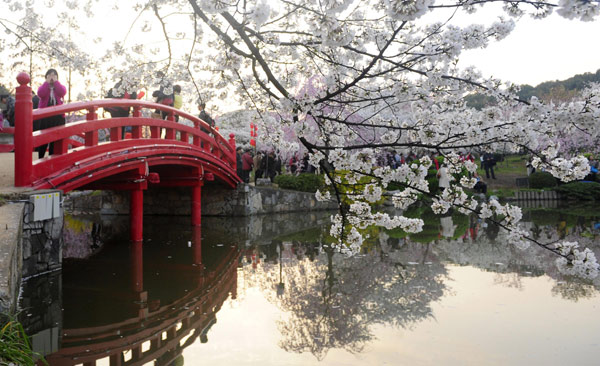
{"x":157,"y":153}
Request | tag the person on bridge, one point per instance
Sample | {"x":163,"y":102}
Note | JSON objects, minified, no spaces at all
{"x":177,"y":100}
{"x":204,"y":115}
{"x":164,"y":95}
{"x":9,"y":112}
{"x":51,"y":93}
{"x":117,"y":92}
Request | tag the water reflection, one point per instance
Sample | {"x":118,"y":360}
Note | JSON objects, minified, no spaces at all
{"x":122,"y":310}
{"x":138,"y":302}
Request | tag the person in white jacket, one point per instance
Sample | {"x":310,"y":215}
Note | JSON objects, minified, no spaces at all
{"x":444,"y":178}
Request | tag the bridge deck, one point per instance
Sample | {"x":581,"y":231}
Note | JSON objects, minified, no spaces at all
{"x":7,"y":174}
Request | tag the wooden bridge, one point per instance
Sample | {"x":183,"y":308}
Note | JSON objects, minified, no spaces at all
{"x":157,"y":153}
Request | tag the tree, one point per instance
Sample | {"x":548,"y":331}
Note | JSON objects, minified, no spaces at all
{"x":35,"y":43}
{"x":372,"y":78}
{"x":348,"y":80}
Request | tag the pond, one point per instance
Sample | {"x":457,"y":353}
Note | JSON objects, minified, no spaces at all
{"x":267,"y":291}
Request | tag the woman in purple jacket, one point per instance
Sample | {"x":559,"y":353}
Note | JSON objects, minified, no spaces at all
{"x":51,"y":93}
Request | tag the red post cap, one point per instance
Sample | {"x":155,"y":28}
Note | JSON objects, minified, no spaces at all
{"x":23,"y":78}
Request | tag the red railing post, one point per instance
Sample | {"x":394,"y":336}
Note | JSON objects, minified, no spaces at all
{"x":23,"y":132}
{"x":196,"y":138}
{"x":136,"y":131}
{"x":170,"y":132}
{"x":91,"y":137}
{"x":115,"y":133}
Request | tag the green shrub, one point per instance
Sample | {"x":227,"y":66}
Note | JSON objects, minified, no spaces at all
{"x":585,"y":191}
{"x":434,"y":184}
{"x":287,"y":181}
{"x":304,"y":182}
{"x":310,"y":182}
{"x":539,"y":180}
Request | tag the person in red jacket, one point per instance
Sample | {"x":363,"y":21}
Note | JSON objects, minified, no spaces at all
{"x":247,"y":165}
{"x":51,"y":93}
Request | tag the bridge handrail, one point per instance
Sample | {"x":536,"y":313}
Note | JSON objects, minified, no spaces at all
{"x":26,"y":139}
{"x":123,"y":103}
{"x":128,"y":103}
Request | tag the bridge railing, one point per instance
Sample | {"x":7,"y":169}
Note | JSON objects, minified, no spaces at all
{"x":144,"y":129}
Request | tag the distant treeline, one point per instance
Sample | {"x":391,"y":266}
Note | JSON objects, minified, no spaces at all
{"x":556,"y":91}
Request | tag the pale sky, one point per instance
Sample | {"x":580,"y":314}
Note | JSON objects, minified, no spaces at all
{"x":538,"y":50}
{"x":554,"y":48}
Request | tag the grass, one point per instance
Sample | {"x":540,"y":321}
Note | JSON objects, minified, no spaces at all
{"x":15,"y":348}
{"x":512,"y":165}
{"x":502,"y":192}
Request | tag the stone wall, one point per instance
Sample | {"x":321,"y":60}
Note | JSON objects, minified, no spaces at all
{"x":42,"y":242}
{"x":11,"y":219}
{"x":27,"y":248}
{"x":42,"y":246}
{"x":246,"y":200}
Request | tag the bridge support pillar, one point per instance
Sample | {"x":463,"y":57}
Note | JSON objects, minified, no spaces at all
{"x":197,"y":204}
{"x":137,"y":267}
{"x":197,"y":246}
{"x":136,"y":215}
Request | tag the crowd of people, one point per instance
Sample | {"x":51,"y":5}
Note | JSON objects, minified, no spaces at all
{"x":52,"y":93}
{"x":267,"y":164}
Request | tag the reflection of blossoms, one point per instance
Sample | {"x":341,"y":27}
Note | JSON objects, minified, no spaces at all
{"x":332,"y":301}
{"x":78,"y":236}
{"x":582,"y":263}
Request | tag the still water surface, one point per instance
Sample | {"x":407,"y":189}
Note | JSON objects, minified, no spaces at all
{"x":267,"y":291}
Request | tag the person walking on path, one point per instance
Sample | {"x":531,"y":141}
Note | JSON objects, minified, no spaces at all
{"x":247,"y":165}
{"x":480,"y":186}
{"x":488,"y":165}
{"x":444,"y":178}
{"x":51,"y":93}
{"x":238,"y":161}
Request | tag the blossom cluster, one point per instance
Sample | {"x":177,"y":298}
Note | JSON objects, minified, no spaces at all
{"x":577,"y":262}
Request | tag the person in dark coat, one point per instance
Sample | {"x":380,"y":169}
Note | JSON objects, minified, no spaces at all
{"x":204,"y":115}
{"x":270,"y":166}
{"x":488,"y":165}
{"x":116,"y":112}
{"x":238,"y":161}
{"x":9,"y":112}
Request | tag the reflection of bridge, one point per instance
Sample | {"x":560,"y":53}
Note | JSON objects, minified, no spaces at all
{"x":159,"y":332}
{"x":158,"y":153}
